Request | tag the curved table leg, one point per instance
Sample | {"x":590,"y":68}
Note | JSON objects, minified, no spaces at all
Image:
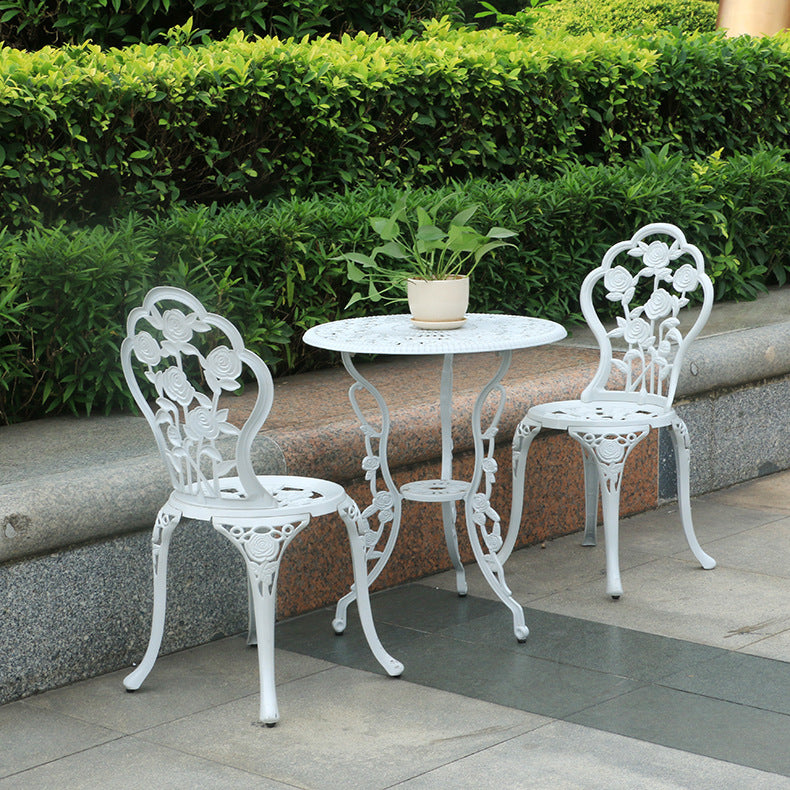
{"x":487,"y":540}
{"x":387,"y":503}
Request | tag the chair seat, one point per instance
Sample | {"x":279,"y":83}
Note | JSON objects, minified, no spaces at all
{"x":617,"y":414}
{"x":293,"y":495}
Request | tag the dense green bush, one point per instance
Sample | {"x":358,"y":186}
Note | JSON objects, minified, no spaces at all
{"x":270,"y":267}
{"x":33,"y":24}
{"x":576,"y":17}
{"x":83,"y":131}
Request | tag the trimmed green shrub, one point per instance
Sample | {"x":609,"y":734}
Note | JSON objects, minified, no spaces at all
{"x":33,"y":24}
{"x":271,"y":268}
{"x":576,"y":17}
{"x":83,"y":132}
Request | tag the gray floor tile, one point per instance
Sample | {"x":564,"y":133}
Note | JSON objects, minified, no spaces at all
{"x":660,"y":532}
{"x":179,"y":684}
{"x":30,"y":736}
{"x":534,"y":572}
{"x":591,"y":645}
{"x":722,"y":730}
{"x":724,"y":607}
{"x":515,"y":679}
{"x":769,"y":494}
{"x":344,"y":728}
{"x":350,"y":649}
{"x":132,"y":764}
{"x":764,"y":549}
{"x":735,"y":677}
{"x":564,"y":756}
{"x":776,"y":646}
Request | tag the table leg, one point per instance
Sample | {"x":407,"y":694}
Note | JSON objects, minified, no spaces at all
{"x":487,"y":540}
{"x":448,"y":508}
{"x":386,"y":504}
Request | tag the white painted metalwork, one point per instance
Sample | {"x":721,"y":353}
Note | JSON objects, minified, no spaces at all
{"x":397,"y":335}
{"x":185,"y":358}
{"x":650,"y":276}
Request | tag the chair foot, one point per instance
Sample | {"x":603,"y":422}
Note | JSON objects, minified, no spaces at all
{"x":521,"y":633}
{"x":615,"y":597}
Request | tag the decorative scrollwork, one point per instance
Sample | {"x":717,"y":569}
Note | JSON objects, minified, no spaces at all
{"x":482,"y":512}
{"x":262,"y":547}
{"x":188,"y":380}
{"x":651,"y":329}
{"x":166,"y":522}
{"x":610,"y":450}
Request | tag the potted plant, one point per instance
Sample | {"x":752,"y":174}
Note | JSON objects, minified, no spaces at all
{"x":420,"y":262}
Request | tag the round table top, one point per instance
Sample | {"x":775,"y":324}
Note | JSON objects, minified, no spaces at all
{"x":395,"y":334}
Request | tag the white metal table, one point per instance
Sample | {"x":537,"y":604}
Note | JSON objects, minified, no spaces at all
{"x":396,"y":335}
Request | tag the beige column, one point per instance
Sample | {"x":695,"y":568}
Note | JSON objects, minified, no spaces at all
{"x":755,"y":17}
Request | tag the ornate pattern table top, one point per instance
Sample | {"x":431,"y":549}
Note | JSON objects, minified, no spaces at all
{"x":395,"y":334}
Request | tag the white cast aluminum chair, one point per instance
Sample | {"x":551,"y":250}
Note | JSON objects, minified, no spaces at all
{"x":188,"y":358}
{"x":649,"y":276}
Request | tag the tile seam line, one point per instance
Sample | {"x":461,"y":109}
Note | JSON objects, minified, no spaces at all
{"x":720,"y":699}
{"x":551,"y":722}
{"x":119,"y":737}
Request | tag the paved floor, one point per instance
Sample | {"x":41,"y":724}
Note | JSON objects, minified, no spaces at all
{"x":683,"y":683}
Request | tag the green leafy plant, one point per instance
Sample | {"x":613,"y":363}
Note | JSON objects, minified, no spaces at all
{"x":273,"y":267}
{"x":422,"y":250}
{"x":521,"y":22}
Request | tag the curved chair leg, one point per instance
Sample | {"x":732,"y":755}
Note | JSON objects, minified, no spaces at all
{"x":525,"y":432}
{"x":262,"y":545}
{"x":682,"y":445}
{"x":264,"y":594}
{"x":252,"y":631}
{"x":357,"y":528}
{"x":389,"y":509}
{"x":166,"y":521}
{"x":451,"y":539}
{"x":609,"y":451}
{"x":591,"y":488}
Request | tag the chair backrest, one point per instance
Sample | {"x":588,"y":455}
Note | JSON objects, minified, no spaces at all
{"x":649,"y":276}
{"x":186,"y":358}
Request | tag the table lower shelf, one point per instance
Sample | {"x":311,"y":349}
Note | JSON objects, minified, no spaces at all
{"x":435,"y":490}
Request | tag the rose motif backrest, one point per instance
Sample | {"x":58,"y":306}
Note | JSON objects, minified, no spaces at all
{"x":651,"y":276}
{"x":186,"y":358}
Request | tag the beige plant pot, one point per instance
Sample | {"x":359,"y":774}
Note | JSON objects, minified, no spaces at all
{"x":438,"y":304}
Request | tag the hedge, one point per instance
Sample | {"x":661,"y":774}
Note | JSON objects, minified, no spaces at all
{"x":33,"y":24}
{"x":83,"y":132}
{"x":576,"y":17}
{"x":270,"y":267}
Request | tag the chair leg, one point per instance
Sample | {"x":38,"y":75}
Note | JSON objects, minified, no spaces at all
{"x":591,"y":489}
{"x":252,"y":631}
{"x":451,"y":539}
{"x":526,"y":431}
{"x":609,"y":450}
{"x":357,"y":528}
{"x":166,"y":521}
{"x":264,"y":594}
{"x":682,"y":446}
{"x":262,"y":546}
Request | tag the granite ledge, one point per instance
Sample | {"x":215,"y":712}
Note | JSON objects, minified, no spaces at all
{"x":72,"y":480}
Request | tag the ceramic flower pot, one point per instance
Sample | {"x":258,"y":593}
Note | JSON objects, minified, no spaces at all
{"x":438,"y":304}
